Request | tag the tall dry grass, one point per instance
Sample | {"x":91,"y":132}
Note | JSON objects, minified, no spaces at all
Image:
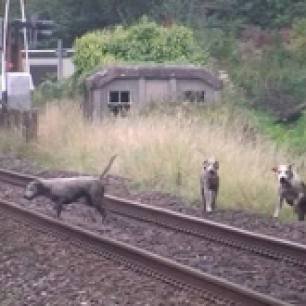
{"x":164,"y":151}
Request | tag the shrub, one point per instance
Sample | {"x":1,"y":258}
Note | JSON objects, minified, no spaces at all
{"x":298,"y":39}
{"x":273,"y":79}
{"x":145,"y":41}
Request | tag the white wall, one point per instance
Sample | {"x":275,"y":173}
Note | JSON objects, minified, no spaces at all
{"x":68,"y":66}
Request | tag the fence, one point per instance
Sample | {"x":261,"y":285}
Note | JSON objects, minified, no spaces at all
{"x":24,"y":123}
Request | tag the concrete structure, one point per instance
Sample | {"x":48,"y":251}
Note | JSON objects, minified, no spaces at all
{"x":19,"y":91}
{"x":45,"y":64}
{"x":118,"y":88}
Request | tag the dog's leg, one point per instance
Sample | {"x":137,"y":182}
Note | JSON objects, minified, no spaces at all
{"x":298,"y":208}
{"x":209,"y":198}
{"x":278,"y":207}
{"x":203,"y":199}
{"x":96,"y":199}
{"x":300,"y":197}
{"x":301,"y":216}
{"x":300,"y":213}
{"x":213,"y":199}
{"x":101,"y":210}
{"x":58,"y":207}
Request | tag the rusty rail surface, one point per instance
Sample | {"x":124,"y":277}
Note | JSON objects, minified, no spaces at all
{"x":263,"y":245}
{"x":213,"y":289}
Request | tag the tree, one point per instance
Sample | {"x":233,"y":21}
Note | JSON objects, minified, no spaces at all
{"x":145,"y":41}
{"x":264,"y":13}
{"x":76,"y":17}
{"x":298,"y":39}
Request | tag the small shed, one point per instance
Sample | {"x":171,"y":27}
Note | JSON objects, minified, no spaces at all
{"x":119,"y":88}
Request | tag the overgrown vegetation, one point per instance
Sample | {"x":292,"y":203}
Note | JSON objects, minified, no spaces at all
{"x":51,"y":90}
{"x":74,"y":18}
{"x":145,"y":41}
{"x":171,"y":160}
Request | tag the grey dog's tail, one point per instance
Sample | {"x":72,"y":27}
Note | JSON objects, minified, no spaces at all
{"x":108,"y":166}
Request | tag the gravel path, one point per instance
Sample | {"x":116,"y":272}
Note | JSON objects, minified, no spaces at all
{"x":37,"y":269}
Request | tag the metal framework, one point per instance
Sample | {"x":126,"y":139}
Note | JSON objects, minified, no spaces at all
{"x":5,"y":45}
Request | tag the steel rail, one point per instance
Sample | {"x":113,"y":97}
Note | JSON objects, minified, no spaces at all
{"x":261,"y":244}
{"x":213,"y":289}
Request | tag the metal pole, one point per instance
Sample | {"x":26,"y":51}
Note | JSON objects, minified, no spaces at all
{"x":60,"y":59}
{"x":3,"y":60}
{"x":25,"y":39}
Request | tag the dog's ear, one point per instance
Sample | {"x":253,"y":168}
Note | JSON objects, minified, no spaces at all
{"x":274,"y":169}
{"x":217,"y":164}
{"x":205,"y":163}
{"x":290,"y":166}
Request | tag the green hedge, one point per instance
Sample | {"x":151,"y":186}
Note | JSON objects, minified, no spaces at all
{"x":145,"y":41}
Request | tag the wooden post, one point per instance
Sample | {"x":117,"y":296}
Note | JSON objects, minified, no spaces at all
{"x":25,"y":122}
{"x":25,"y":126}
{"x":34,"y":124}
{"x":30,"y":125}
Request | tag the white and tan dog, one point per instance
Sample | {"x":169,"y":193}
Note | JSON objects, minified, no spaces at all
{"x":291,"y":189}
{"x":209,"y":184}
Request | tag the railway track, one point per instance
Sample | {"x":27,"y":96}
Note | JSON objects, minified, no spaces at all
{"x":214,"y":290}
{"x":263,"y":245}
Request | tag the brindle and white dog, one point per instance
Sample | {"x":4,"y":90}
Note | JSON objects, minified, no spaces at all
{"x":290,"y":189}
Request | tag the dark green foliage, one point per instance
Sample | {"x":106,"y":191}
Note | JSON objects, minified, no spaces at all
{"x":50,"y":90}
{"x":274,"y":81}
{"x":298,"y":39}
{"x":145,"y":41}
{"x":76,"y":17}
{"x":264,"y":13}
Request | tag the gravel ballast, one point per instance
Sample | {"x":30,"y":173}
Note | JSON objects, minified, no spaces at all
{"x":38,"y":269}
{"x":272,"y":277}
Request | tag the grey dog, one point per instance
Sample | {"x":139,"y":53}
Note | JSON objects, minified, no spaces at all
{"x":67,"y":190}
{"x":209,"y":184}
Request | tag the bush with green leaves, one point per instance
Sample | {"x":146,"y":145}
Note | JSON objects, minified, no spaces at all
{"x":145,"y":41}
{"x":298,"y":39}
{"x":273,"y":78}
{"x":50,"y":90}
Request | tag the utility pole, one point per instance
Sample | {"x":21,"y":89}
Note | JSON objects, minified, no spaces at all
{"x":60,"y":53}
{"x":25,"y":38}
{"x":4,"y":54}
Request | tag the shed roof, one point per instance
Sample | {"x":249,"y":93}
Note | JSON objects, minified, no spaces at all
{"x":109,"y":73}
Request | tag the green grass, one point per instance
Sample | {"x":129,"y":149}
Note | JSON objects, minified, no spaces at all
{"x":288,"y":136}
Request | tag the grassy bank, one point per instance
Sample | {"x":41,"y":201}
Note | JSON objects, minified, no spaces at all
{"x":291,"y":136}
{"x":163,"y":150}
